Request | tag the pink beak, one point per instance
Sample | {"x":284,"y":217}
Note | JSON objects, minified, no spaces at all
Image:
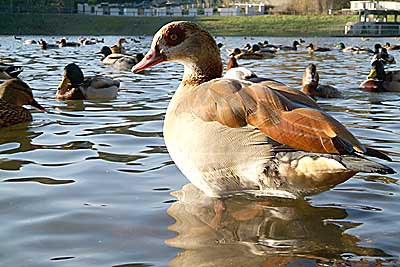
{"x":153,"y":57}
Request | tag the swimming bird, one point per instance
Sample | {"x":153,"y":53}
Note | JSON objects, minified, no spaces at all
{"x":15,"y":93}
{"x":63,"y":43}
{"x":312,"y":48}
{"x":118,"y":48}
{"x":384,"y":55}
{"x":230,"y":136}
{"x":242,"y":54}
{"x":341,"y":46}
{"x":30,"y":41}
{"x":312,"y":87}
{"x":44,"y":45}
{"x":388,"y":46}
{"x":9,"y":71}
{"x":119,"y":61}
{"x":290,"y":48}
{"x":75,"y":86}
{"x":380,"y":80}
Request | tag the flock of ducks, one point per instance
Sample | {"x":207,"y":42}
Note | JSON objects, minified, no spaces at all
{"x":237,"y":133}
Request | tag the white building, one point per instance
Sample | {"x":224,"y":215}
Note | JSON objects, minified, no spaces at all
{"x":130,"y":11}
{"x":374,"y":5}
{"x":115,"y":11}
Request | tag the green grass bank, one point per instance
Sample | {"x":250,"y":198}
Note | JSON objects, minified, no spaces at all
{"x":268,"y":25}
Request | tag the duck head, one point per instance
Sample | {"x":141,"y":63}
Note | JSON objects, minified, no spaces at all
{"x":378,"y":69}
{"x":310,"y":47}
{"x":17,"y":92}
{"x":296,"y":43}
{"x":341,"y":46}
{"x":186,"y":43}
{"x":311,"y":74}
{"x":71,"y":80}
{"x":105,"y":51}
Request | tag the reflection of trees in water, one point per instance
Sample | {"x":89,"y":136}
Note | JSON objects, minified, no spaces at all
{"x":258,"y":232}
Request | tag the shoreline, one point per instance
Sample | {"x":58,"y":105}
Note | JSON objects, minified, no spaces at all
{"x":267,"y":25}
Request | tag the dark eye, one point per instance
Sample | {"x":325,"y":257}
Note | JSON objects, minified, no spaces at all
{"x":174,"y":36}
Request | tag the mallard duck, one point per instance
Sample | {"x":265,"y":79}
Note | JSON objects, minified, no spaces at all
{"x":384,"y":55}
{"x":75,"y":86}
{"x":312,"y":87}
{"x":119,"y":61}
{"x":30,"y":41}
{"x":380,"y":80}
{"x":86,"y":41}
{"x":343,"y":48}
{"x":229,"y":136}
{"x":242,"y":54}
{"x":312,"y":48}
{"x":388,"y":46}
{"x":63,"y":43}
{"x":9,"y":71}
{"x":118,"y":48}
{"x":44,"y":45}
{"x":15,"y":93}
{"x":290,"y":48}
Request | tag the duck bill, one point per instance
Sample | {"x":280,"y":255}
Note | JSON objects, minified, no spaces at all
{"x":63,"y":84}
{"x":37,"y":106}
{"x":372,"y":74}
{"x":153,"y":57}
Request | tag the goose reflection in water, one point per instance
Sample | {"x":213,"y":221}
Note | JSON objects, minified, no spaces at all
{"x":240,"y":231}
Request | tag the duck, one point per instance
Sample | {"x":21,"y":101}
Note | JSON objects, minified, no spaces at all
{"x":63,"y":43}
{"x":354,"y":49}
{"x":388,"y":46}
{"x":233,"y":71}
{"x":118,"y":48}
{"x":231,"y":136}
{"x":380,"y":80}
{"x":119,"y":61}
{"x":312,"y":87}
{"x":9,"y":71}
{"x":384,"y":55}
{"x":30,"y":41}
{"x":312,"y":48}
{"x":44,"y":45}
{"x":290,"y":48}
{"x":74,"y":86}
{"x":15,"y":93}
{"x":343,"y":48}
{"x":242,"y":54}
{"x":86,"y":41}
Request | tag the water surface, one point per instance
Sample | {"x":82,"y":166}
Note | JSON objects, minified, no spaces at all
{"x":90,"y":182}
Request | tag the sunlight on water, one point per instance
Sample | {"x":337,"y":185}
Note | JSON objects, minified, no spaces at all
{"x":90,"y":182}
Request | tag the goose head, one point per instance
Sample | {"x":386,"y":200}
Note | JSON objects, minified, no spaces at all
{"x":186,"y":43}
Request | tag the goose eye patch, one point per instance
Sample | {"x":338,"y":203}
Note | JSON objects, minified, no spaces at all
{"x":174,"y":36}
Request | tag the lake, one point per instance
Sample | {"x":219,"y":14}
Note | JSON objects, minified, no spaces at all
{"x":90,"y":183}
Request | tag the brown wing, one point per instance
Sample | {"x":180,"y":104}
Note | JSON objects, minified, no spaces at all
{"x":238,"y":103}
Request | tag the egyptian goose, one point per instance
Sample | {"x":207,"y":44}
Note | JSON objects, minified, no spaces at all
{"x":15,"y":93}
{"x":380,"y":80}
{"x":312,"y":87}
{"x":119,"y":61}
{"x":75,"y":86}
{"x":230,"y":136}
{"x":118,"y":48}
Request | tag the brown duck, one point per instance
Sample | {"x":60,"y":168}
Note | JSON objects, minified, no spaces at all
{"x":15,"y":93}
